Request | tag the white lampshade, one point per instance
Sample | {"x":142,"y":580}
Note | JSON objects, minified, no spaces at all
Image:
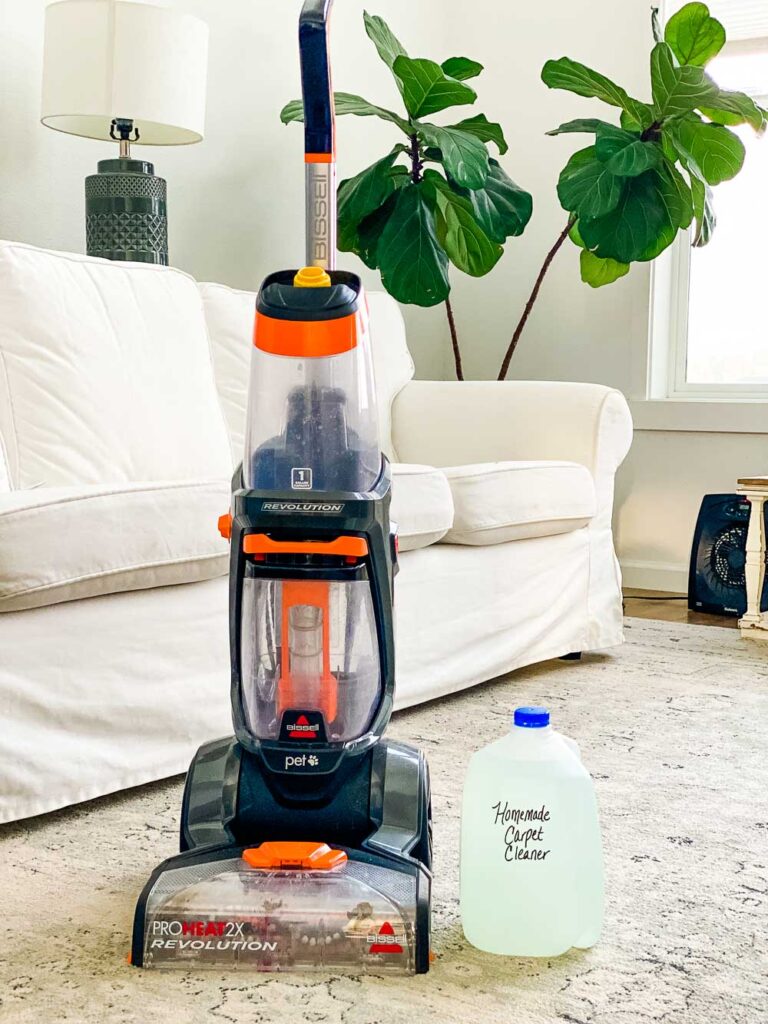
{"x":111,"y":58}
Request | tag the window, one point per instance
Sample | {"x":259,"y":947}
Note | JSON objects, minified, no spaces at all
{"x":706,"y":344}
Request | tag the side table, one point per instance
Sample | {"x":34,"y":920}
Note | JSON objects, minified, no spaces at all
{"x":754,"y":623}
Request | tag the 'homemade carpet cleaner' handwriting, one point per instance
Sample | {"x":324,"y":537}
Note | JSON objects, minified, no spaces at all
{"x":520,"y":836}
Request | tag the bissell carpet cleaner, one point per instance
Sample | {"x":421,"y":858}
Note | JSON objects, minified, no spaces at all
{"x":306,"y":837}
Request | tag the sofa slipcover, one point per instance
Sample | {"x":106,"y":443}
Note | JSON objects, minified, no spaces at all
{"x":105,"y":373}
{"x":496,"y":502}
{"x":63,"y":543}
{"x":120,"y":689}
{"x":422,"y":506}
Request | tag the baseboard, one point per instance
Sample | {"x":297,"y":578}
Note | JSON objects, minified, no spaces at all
{"x":664,"y":576}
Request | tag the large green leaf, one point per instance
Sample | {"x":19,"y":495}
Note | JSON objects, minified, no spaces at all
{"x":464,"y":156}
{"x":575,"y":235}
{"x":587,"y":125}
{"x":485,"y":130}
{"x":413,"y":265}
{"x":693,"y":35}
{"x":365,"y":242}
{"x":625,"y":153}
{"x":346,"y":103}
{"x":736,"y":108}
{"x":501,"y":207}
{"x":461,"y":68}
{"x":574,"y":77}
{"x":383,"y":38}
{"x":426,"y":88}
{"x":703,"y":211}
{"x":711,"y":149}
{"x":586,"y":186}
{"x":462,"y":237}
{"x":638,"y":223}
{"x":360,"y":196}
{"x":634,"y":123}
{"x":596,"y":271}
{"x":678,"y":90}
{"x":675,"y":194}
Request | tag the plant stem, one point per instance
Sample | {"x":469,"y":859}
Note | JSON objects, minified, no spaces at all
{"x":415,"y":154}
{"x":652,"y":133}
{"x":454,"y":341}
{"x":532,"y":298}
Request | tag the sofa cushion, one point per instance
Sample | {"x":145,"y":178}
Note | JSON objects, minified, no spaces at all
{"x":229,"y":314}
{"x":500,"y":501}
{"x":105,"y":373}
{"x":63,"y":543}
{"x":422,"y":506}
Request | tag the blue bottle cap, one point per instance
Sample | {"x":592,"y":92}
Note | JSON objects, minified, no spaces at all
{"x":531,"y":718}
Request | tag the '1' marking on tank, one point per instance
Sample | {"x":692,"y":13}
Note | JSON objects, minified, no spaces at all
{"x":385,"y":941}
{"x":301,"y":479}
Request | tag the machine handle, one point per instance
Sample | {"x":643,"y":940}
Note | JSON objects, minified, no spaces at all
{"x":316,"y":87}
{"x":319,"y":150}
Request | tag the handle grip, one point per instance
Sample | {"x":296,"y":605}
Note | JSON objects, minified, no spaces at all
{"x":316,"y":81}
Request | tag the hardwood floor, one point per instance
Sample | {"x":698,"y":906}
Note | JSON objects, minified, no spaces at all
{"x":669,"y":609}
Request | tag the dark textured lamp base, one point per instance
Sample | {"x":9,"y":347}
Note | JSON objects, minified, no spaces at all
{"x":126,"y":212}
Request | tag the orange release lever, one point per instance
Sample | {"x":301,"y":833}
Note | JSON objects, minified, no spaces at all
{"x":261,"y":544}
{"x":294,"y":856}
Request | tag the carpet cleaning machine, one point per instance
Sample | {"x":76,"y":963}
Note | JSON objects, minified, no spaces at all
{"x":306,"y":838}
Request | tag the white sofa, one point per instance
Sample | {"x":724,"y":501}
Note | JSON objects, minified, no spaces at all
{"x":122,"y":404}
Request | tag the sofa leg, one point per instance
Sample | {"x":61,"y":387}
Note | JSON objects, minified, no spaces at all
{"x":573,"y":656}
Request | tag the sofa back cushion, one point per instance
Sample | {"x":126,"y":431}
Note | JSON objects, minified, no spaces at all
{"x":229,"y":314}
{"x":105,"y":373}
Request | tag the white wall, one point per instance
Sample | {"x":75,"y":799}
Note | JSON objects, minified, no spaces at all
{"x":236,"y":203}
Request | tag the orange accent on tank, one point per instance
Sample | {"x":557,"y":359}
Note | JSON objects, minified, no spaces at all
{"x":318,"y":158}
{"x":225,"y":525}
{"x":305,"y":338}
{"x":261,"y":544}
{"x":294,"y":856}
{"x":302,"y":594}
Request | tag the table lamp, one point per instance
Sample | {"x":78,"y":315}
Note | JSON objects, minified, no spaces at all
{"x":129,"y":72}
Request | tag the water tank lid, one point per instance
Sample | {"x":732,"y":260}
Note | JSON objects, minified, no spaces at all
{"x":531,"y":718}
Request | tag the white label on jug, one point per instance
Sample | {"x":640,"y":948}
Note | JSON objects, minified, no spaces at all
{"x":522,"y":829}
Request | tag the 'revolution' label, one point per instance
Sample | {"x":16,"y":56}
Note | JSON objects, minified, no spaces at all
{"x":303,"y":506}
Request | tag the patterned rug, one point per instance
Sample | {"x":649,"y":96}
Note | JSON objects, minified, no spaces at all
{"x":673,"y":726}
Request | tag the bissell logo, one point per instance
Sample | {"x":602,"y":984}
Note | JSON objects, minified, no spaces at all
{"x":302,"y":730}
{"x":385,"y":941}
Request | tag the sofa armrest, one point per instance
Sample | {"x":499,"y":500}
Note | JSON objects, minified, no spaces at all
{"x":449,"y":423}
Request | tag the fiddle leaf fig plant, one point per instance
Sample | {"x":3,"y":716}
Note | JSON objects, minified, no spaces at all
{"x":438,"y":197}
{"x":639,"y":182}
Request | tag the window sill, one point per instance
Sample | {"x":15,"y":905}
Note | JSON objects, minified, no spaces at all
{"x":711,"y":417}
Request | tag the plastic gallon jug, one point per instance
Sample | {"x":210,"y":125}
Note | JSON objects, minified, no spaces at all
{"x":531,"y":856}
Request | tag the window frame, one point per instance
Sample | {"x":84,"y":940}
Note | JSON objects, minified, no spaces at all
{"x":669,"y":311}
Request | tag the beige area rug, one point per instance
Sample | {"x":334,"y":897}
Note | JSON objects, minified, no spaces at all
{"x":674,"y":727}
